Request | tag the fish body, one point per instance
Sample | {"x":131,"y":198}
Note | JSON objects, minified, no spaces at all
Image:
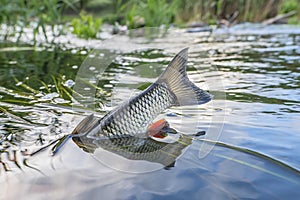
{"x":133,"y":117}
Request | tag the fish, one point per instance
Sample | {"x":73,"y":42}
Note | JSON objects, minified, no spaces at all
{"x":134,"y":148}
{"x":133,"y":118}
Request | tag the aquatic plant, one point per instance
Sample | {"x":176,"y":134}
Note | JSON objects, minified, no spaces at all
{"x":288,"y":6}
{"x":151,"y":13}
{"x":118,"y":13}
{"x":249,"y":10}
{"x":48,"y":18}
{"x":34,"y":14}
{"x":86,"y":26}
{"x":158,"y":12}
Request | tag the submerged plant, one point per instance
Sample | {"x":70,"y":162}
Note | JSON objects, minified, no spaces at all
{"x":86,"y":26}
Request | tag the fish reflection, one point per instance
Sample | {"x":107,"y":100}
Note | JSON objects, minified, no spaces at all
{"x":132,"y":147}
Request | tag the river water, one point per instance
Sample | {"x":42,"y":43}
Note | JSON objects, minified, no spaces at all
{"x":250,"y":149}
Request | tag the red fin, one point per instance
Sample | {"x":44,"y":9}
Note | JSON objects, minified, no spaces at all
{"x":155,"y":128}
{"x":158,"y":125}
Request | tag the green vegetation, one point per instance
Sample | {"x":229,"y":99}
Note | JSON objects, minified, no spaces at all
{"x":36,"y":14}
{"x":155,"y":12}
{"x":212,"y":11}
{"x":151,"y":13}
{"x":290,"y":6}
{"x":39,"y":73}
{"x":86,"y":26}
{"x":53,"y":17}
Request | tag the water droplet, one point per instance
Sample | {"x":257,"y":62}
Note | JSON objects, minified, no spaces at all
{"x":12,"y":62}
{"x":39,"y":94}
{"x":69,"y":83}
{"x":74,"y":51}
{"x":92,"y":68}
{"x":108,"y":86}
{"x":93,"y":81}
{"x":83,"y":52}
{"x":60,"y":100}
{"x":49,"y":96}
{"x":19,"y":83}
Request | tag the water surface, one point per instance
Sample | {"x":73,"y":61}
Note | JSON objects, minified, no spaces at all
{"x":251,"y":149}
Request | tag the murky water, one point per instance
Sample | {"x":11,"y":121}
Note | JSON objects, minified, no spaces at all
{"x":251,"y":148}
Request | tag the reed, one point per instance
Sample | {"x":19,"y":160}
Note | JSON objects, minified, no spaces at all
{"x":34,"y":14}
{"x":39,"y":15}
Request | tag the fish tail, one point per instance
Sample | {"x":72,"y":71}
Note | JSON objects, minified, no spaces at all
{"x":176,"y":80}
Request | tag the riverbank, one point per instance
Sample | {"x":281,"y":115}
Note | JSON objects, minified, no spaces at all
{"x":90,"y":18}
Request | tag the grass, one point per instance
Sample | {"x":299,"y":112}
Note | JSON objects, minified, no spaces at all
{"x":86,"y":26}
{"x":154,"y":13}
{"x":40,"y":15}
{"x":35,"y":14}
{"x":25,"y":91}
{"x":289,"y":6}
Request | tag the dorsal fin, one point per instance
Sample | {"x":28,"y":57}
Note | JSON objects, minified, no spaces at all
{"x":175,"y":79}
{"x":86,"y":125}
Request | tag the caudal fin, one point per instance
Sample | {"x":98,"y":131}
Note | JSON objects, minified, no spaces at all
{"x":176,"y":79}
